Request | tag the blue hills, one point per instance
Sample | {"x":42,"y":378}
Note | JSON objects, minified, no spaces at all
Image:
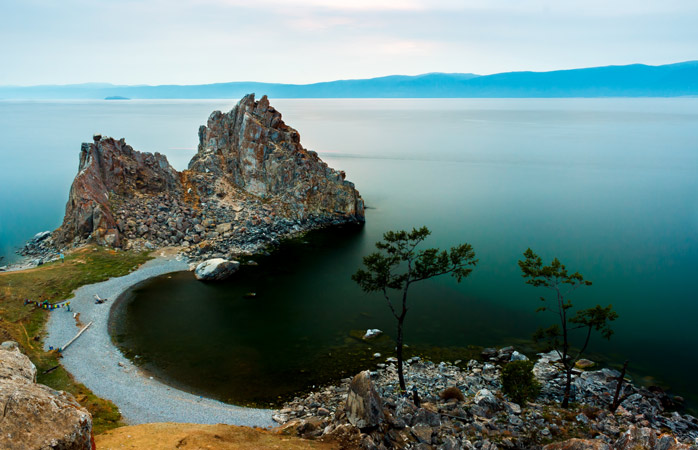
{"x":636,"y":80}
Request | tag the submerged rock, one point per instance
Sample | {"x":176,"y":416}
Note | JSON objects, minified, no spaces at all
{"x":372,"y":333}
{"x":216,"y":269}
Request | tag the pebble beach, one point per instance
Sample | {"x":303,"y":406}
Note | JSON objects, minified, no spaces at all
{"x":97,"y":363}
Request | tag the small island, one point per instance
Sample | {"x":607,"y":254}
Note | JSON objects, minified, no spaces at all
{"x":116,"y":97}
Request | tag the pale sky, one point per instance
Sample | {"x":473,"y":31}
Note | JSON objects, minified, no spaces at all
{"x":305,"y":41}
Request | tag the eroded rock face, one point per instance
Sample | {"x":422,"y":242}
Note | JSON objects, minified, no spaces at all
{"x":216,"y":269}
{"x":35,"y":416}
{"x":254,"y":149}
{"x":364,"y":407}
{"x":14,"y":364}
{"x":111,"y":173}
{"x":251,"y":175}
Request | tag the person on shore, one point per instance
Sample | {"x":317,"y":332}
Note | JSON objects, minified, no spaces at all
{"x":99,"y":300}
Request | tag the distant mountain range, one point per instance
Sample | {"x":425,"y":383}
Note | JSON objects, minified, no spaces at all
{"x":636,"y":80}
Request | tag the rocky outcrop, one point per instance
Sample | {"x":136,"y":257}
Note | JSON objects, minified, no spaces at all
{"x":484,"y":417}
{"x":216,"y":269}
{"x":364,"y":406}
{"x":35,"y":416}
{"x":251,"y":181}
{"x":112,"y":173}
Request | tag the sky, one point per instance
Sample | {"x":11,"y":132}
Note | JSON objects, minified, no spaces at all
{"x":306,"y":41}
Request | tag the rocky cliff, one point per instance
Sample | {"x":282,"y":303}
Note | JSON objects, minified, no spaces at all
{"x":250,"y":182}
{"x":112,"y":172}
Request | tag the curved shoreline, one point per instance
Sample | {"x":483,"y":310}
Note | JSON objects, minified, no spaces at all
{"x":97,"y":363}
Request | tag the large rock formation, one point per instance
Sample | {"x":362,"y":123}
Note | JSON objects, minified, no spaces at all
{"x":250,"y":174}
{"x":254,"y":149}
{"x":111,"y":172}
{"x":35,"y":416}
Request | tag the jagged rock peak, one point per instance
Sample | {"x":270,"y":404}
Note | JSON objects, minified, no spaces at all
{"x":254,"y":149}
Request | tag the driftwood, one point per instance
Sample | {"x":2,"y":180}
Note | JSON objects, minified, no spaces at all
{"x":60,"y":349}
{"x":51,"y":369}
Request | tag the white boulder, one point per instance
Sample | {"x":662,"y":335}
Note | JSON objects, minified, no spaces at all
{"x":216,"y":269}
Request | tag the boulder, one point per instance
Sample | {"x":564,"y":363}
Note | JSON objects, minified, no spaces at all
{"x":14,"y":364}
{"x":224,"y":227}
{"x":516,"y":356}
{"x":216,"y":269}
{"x":584,"y":364}
{"x":35,"y":416}
{"x":578,"y":444}
{"x":487,"y":403}
{"x":372,"y":333}
{"x":364,"y":407}
{"x":637,"y":438}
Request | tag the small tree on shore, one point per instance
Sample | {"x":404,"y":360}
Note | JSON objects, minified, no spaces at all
{"x":562,"y":283}
{"x":398,"y":264}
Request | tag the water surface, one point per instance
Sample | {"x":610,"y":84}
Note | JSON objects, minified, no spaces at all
{"x":607,"y":185}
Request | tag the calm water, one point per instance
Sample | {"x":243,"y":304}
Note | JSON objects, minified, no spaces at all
{"x":607,"y":185}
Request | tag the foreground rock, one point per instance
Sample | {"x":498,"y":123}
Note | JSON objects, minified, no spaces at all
{"x":364,"y":406}
{"x":486,"y":418}
{"x":35,"y":416}
{"x":216,"y":269}
{"x":250,"y":183}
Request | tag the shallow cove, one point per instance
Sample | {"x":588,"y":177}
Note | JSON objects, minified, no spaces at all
{"x":218,"y":340}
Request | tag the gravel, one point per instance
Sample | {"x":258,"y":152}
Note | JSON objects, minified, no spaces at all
{"x":94,"y":361}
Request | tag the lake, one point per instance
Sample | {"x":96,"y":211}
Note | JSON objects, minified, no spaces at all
{"x":609,"y":186}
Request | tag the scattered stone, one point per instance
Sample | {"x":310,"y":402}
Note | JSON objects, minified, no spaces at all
{"x":484,"y":419}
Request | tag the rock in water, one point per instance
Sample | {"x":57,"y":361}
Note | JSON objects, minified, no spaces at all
{"x":250,"y":171}
{"x":35,"y":416}
{"x":216,"y":269}
{"x":372,"y":333}
{"x":364,"y":405}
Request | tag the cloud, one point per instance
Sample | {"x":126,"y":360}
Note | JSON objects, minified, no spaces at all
{"x":336,"y":5}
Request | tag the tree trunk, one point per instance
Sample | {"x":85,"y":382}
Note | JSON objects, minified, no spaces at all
{"x":568,"y":386}
{"x":619,"y":387}
{"x":400,"y":375}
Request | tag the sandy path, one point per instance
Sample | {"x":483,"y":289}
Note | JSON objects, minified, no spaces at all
{"x":94,"y":361}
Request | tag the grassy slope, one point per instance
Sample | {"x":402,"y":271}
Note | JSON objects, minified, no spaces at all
{"x":56,"y":282}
